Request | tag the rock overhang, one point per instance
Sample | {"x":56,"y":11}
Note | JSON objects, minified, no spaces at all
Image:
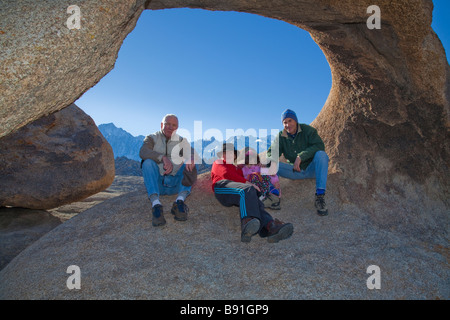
{"x":394,"y":79}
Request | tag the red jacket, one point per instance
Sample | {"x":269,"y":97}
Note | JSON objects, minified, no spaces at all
{"x":221,"y":171}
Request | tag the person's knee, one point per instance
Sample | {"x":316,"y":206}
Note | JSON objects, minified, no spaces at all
{"x":150,"y":167}
{"x":322,"y":156}
{"x":149,"y":164}
{"x":250,"y":191}
{"x":284,"y":167}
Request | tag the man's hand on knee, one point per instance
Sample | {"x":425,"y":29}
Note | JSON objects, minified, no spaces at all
{"x":190,"y":166}
{"x":168,"y":166}
{"x":297,"y":163}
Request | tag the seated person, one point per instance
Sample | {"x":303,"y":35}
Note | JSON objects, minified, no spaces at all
{"x":231,"y":189}
{"x":168,"y":167}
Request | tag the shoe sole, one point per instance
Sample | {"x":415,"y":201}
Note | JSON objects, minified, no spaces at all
{"x":159,"y":224}
{"x":275,"y":206}
{"x":322,"y":213}
{"x":284,"y":233}
{"x":178,"y":218}
{"x":250,"y":229}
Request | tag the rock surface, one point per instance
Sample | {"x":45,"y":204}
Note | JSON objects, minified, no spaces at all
{"x":21,"y":227}
{"x":385,"y":126}
{"x":44,"y":65}
{"x":121,"y":256}
{"x":122,"y":184}
{"x":58,"y":159}
{"x":386,"y":120}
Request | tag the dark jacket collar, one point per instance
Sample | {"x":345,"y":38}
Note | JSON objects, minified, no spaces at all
{"x":285,"y":134}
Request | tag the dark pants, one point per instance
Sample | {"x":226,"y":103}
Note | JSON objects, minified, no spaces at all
{"x":230,"y":193}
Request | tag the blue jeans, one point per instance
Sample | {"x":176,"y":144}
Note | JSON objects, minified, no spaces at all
{"x":317,"y":169}
{"x":162,"y":185}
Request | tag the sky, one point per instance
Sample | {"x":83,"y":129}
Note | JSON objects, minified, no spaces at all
{"x":217,"y":71}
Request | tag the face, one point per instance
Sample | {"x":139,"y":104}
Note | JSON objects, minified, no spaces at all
{"x":228,"y":156}
{"x":169,"y":126}
{"x":290,"y":125}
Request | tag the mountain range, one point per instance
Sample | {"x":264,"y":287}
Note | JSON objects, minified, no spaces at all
{"x":123,"y":143}
{"x":126,"y":145}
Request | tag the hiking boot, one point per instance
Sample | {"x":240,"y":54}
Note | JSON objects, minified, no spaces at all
{"x":276,"y":203}
{"x":249,"y":227}
{"x":277,"y":230}
{"x":157,"y":216}
{"x":320,"y":204}
{"x":275,"y":206}
{"x":267,"y":201}
{"x":271,"y":201}
{"x":179,"y":210}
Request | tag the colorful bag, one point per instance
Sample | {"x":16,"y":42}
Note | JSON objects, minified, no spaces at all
{"x":261,"y":181}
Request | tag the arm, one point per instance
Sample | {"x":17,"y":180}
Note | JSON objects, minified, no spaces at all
{"x":245,"y":172}
{"x":228,"y":172}
{"x":274,"y":179}
{"x":315,"y":144}
{"x":147,"y":152}
{"x":241,"y":174}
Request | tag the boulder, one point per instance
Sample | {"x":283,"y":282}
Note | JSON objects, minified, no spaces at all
{"x":58,"y":159}
{"x":122,"y":256}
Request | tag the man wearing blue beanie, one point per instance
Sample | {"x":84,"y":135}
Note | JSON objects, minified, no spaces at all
{"x":288,"y":113}
{"x":304,"y":151}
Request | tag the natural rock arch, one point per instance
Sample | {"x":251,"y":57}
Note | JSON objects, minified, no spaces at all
{"x":386,"y":120}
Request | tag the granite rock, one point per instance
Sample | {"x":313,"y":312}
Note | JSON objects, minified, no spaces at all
{"x":19,"y":228}
{"x":385,"y":126}
{"x":122,"y":256}
{"x":58,"y":159}
{"x":386,"y":120}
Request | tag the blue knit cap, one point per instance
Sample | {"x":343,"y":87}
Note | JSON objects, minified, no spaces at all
{"x":288,"y":113}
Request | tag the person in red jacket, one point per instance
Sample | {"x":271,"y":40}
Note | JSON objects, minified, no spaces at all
{"x":232,"y":189}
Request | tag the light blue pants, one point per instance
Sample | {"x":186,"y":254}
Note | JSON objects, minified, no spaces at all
{"x":162,"y":185}
{"x":317,"y":169}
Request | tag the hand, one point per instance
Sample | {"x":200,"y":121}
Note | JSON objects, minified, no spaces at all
{"x":277,"y":185}
{"x":297,"y":162}
{"x":254,"y":186}
{"x":168,"y":166}
{"x":190,"y":166}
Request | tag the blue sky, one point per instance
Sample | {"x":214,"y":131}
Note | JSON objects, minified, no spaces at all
{"x":229,"y":70}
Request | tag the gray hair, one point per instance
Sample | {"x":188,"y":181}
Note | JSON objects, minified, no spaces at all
{"x":170,"y":115}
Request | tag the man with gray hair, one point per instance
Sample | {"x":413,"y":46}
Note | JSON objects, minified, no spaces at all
{"x":168,"y":166}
